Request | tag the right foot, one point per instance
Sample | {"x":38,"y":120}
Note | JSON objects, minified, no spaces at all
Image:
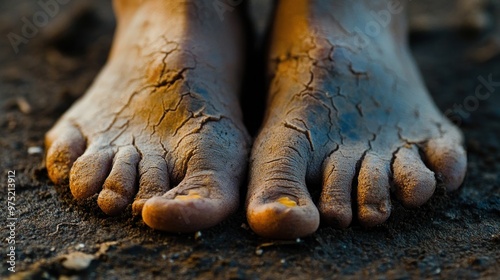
{"x":348,"y":117}
{"x":161,"y":125}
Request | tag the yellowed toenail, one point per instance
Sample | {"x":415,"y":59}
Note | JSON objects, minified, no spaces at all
{"x":190,"y":195}
{"x":287,"y":201}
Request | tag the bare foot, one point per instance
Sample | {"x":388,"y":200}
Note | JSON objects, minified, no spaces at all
{"x":347,"y":116}
{"x":161,"y":125}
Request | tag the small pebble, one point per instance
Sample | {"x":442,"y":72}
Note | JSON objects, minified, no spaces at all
{"x":197,"y":235}
{"x":495,"y":238}
{"x":77,"y":261}
{"x":23,"y":105}
{"x":245,"y":226}
{"x":35,"y":150}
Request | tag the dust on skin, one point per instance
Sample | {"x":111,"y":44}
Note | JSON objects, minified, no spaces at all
{"x":161,"y":125}
{"x":347,"y":118}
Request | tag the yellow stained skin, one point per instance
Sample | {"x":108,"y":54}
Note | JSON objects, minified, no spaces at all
{"x":190,"y":195}
{"x":287,"y":201}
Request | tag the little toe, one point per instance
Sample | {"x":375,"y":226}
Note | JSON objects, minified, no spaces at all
{"x":89,"y":172}
{"x":64,"y":145}
{"x":446,"y":156}
{"x":278,"y":202}
{"x":154,"y":180}
{"x":374,"y":205}
{"x":120,"y":186}
{"x":335,"y":200}
{"x":414,"y":182}
{"x":201,"y":200}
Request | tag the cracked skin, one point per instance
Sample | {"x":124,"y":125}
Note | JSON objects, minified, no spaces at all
{"x":161,"y":127}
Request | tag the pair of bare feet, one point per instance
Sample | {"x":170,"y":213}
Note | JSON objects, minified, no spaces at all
{"x":161,"y":127}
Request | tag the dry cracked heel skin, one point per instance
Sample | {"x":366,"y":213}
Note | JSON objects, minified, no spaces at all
{"x":160,"y":128}
{"x":349,"y":113}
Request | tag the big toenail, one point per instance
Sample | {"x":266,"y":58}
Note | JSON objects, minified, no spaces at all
{"x":287,"y":201}
{"x":190,"y":195}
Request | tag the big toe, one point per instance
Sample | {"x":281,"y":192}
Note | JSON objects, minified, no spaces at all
{"x":284,"y":218}
{"x":200,"y":201}
{"x":186,"y":213}
{"x":278,"y":202}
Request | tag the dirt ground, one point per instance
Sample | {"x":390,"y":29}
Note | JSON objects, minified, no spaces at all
{"x":454,"y":236}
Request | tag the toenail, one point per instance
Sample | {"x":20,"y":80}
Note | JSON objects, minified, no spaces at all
{"x":190,"y":195}
{"x":287,"y":201}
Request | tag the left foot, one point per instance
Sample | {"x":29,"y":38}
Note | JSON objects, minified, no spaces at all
{"x":161,"y":125}
{"x":345,"y":114}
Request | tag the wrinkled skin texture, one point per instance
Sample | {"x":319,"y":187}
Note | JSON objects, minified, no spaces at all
{"x":161,"y":126}
{"x":346,"y":116}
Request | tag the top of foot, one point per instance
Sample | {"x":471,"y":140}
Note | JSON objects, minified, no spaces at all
{"x":351,"y":117}
{"x":161,"y":126}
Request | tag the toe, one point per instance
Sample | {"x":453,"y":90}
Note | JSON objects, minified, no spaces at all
{"x":335,"y":200}
{"x":374,"y":206}
{"x":278,"y":202}
{"x":284,"y":218}
{"x":89,"y":172}
{"x":201,"y":200}
{"x":120,"y":186}
{"x":447,"y":157}
{"x":212,"y":169}
{"x":154,"y":180}
{"x":64,"y":145}
{"x":414,"y":182}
